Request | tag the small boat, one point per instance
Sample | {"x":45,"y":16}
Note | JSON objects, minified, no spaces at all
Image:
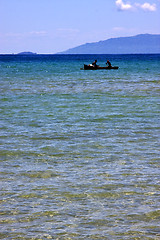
{"x":91,"y":67}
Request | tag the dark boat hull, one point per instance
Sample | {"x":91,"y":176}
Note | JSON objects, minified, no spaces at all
{"x":87,"y":67}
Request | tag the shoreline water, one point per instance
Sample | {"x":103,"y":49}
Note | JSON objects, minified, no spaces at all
{"x":79,"y":150}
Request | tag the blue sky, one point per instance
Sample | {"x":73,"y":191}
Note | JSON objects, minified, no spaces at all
{"x":50,"y":26}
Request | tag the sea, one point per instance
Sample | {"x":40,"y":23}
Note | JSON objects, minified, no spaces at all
{"x":79,"y":149}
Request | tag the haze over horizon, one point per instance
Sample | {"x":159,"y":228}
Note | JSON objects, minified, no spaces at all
{"x":55,"y":26}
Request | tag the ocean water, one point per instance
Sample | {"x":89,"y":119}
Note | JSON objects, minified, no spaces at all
{"x":79,"y":150}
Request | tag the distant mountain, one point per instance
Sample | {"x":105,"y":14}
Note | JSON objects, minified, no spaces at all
{"x":26,"y":53}
{"x":143,"y":43}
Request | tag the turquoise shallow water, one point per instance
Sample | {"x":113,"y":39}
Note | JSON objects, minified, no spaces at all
{"x":79,"y":153}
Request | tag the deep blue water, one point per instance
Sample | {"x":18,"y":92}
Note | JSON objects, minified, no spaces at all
{"x":79,"y":153}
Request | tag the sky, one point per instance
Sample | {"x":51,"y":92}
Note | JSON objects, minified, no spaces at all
{"x":51,"y":26}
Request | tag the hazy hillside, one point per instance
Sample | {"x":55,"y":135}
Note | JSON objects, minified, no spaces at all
{"x":26,"y":53}
{"x":143,"y":43}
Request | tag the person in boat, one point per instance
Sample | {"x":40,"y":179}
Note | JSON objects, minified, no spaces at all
{"x":108,"y":63}
{"x":94,"y":64}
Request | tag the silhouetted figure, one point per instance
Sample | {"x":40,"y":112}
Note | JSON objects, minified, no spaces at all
{"x":108,"y":63}
{"x":94,"y":63}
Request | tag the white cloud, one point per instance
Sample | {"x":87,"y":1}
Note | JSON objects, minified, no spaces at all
{"x":118,"y":29}
{"x":122,"y":6}
{"x":38,"y":33}
{"x":147,"y":6}
{"x":128,"y":6}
